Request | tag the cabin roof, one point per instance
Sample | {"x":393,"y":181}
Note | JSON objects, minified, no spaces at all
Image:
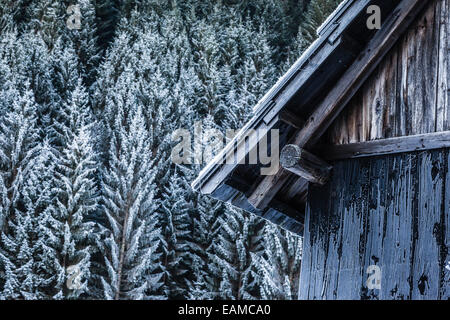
{"x":302,"y":104}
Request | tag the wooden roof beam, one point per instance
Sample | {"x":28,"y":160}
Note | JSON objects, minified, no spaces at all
{"x":340,"y":95}
{"x":304,"y":164}
{"x":291,"y":119}
{"x":420,"y":142}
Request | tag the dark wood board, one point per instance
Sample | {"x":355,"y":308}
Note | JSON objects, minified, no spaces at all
{"x":391,"y":211}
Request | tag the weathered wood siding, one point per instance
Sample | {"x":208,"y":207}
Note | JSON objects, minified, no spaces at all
{"x":390,"y":211}
{"x":409,"y":91}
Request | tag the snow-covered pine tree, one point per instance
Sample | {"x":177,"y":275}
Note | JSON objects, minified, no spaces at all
{"x":18,"y":138}
{"x":108,"y":16}
{"x":177,"y":223}
{"x":207,"y":227}
{"x":17,"y":277}
{"x":86,"y":44}
{"x":316,"y":14}
{"x":27,"y":261}
{"x":47,"y":18}
{"x":7,"y":12}
{"x":38,"y":198}
{"x":258,"y":73}
{"x":131,"y":246}
{"x":167,"y":89}
{"x":65,"y":79}
{"x":240,"y":240}
{"x":29,"y":62}
{"x":8,"y":89}
{"x":279,"y":266}
{"x":205,"y":51}
{"x":23,"y":200}
{"x":75,"y":234}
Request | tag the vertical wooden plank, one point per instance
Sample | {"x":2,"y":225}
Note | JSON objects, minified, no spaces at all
{"x":367,"y":110}
{"x":368,"y":114}
{"x":305,"y":270}
{"x":401,"y":105}
{"x":390,"y":89}
{"x":443,"y":78}
{"x":374,"y":99}
{"x":350,"y":268}
{"x":371,"y":241}
{"x":423,"y":66}
{"x":334,"y":132}
{"x":359,"y":113}
{"x":320,"y":279}
{"x":318,"y":260}
{"x":380,"y":97}
{"x":446,"y":73}
{"x":314,"y":238}
{"x":425,"y":268}
{"x":316,"y":243}
{"x":352,"y":123}
{"x":397,"y":232}
{"x":335,"y":223}
{"x":445,"y":246}
{"x":409,"y":82}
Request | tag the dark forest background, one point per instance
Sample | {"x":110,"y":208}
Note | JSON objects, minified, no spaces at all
{"x":86,"y":117}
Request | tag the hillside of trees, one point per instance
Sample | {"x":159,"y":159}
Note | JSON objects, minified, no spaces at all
{"x":86,"y":117}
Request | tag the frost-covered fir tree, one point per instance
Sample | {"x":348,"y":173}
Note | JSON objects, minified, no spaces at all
{"x":85,"y":41}
{"x":7,"y":13}
{"x":259,"y":70}
{"x":26,"y":194}
{"x":177,"y":224}
{"x":76,"y":235}
{"x":279,"y":266}
{"x":18,"y":139}
{"x":30,"y":63}
{"x":131,"y":246}
{"x":66,"y":81}
{"x":240,"y":242}
{"x":206,"y":50}
{"x":207,"y":227}
{"x":316,"y":14}
{"x":47,"y":18}
{"x":26,"y":260}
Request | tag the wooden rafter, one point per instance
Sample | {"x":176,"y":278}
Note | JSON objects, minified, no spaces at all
{"x":291,"y":119}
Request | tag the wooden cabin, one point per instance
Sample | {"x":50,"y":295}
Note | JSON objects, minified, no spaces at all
{"x":364,"y":136}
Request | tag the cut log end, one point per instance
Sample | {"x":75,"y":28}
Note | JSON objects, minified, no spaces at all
{"x":290,"y":155}
{"x":304,"y":164}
